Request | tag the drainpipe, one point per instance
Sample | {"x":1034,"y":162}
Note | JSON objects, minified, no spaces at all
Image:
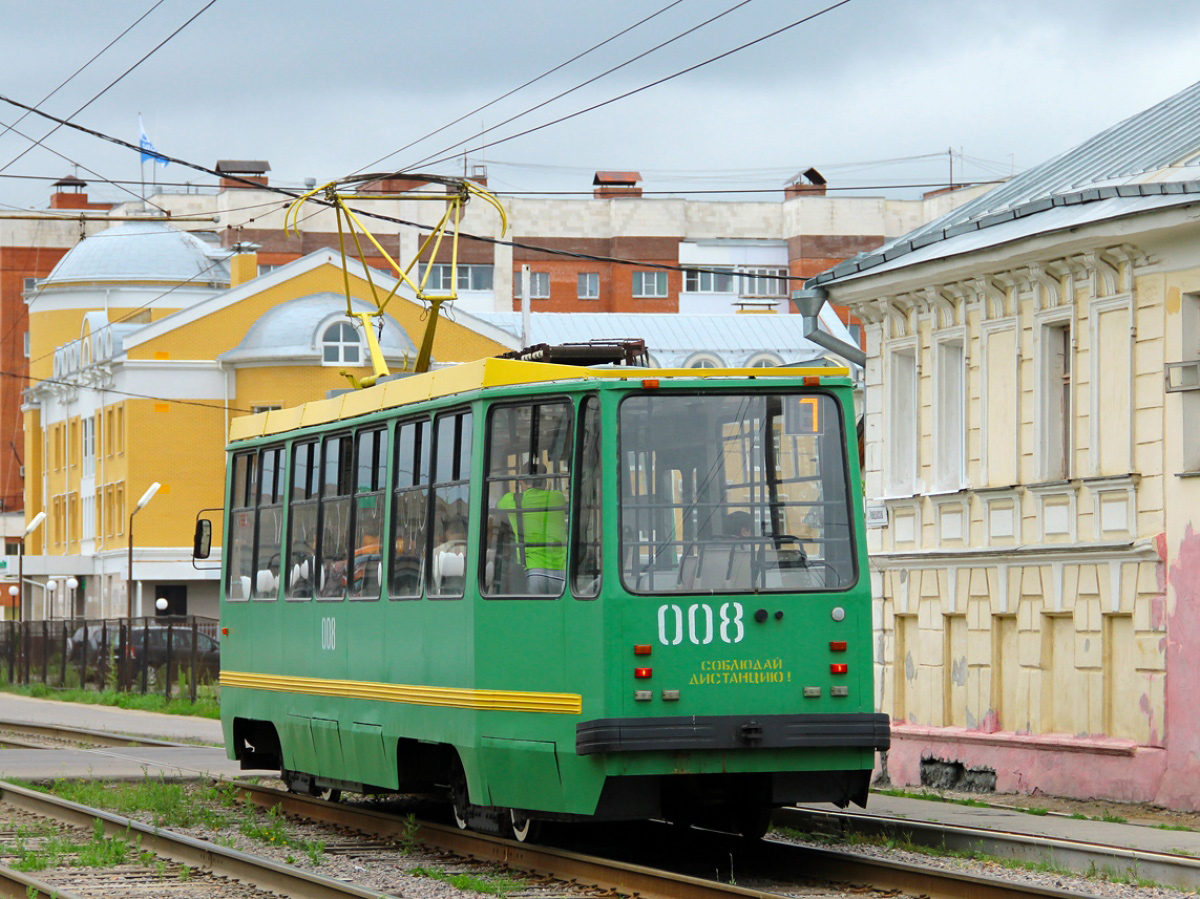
{"x":808,"y":303}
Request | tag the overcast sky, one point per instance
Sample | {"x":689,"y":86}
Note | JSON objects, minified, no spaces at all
{"x":323,"y":89}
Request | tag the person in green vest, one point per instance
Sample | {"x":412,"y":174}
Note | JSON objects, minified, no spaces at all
{"x":538,"y":517}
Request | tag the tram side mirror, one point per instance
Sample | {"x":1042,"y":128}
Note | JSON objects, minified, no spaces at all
{"x":202,"y":540}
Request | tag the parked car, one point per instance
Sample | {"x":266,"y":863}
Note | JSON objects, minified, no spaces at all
{"x":150,"y":646}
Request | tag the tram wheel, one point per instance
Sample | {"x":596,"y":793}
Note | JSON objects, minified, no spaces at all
{"x":329,"y":794}
{"x":524,"y":829}
{"x":752,"y":822}
{"x":460,"y":802}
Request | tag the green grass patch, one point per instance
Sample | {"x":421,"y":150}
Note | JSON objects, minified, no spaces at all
{"x":933,"y":797}
{"x":204,"y":707}
{"x":168,"y":804}
{"x":63,"y":851}
{"x":498,"y":885}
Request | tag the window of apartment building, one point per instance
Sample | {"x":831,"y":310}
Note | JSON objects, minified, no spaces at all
{"x":88,"y":522}
{"x":1110,"y":337}
{"x":265,"y":407}
{"x":119,"y":433}
{"x":950,"y":414}
{"x":1056,"y":418}
{"x":718,"y":280}
{"x":539,"y":285}
{"x":12,"y":547}
{"x":470,"y":277}
{"x":87,"y":446}
{"x":902,"y":433}
{"x":589,"y":285}
{"x":341,"y":345}
{"x":762,"y":282}
{"x":26,"y":345}
{"x":648,"y":285}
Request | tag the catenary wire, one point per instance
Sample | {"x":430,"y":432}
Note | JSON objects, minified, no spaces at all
{"x":583,"y":84}
{"x":95,"y":56}
{"x":644,"y":87}
{"x":528,"y":83}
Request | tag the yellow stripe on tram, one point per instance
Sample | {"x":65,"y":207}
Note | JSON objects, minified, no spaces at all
{"x":445,"y":697}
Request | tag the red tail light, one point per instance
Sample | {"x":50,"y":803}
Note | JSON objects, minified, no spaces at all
{"x":837,"y":645}
{"x":642,"y":673}
{"x":840,"y":668}
{"x":641,"y":649}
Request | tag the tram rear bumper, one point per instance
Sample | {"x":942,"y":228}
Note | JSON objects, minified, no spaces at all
{"x":866,"y":730}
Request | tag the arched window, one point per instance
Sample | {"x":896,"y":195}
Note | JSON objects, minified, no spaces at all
{"x":341,"y":344}
{"x":704,"y":360}
{"x":764,"y":360}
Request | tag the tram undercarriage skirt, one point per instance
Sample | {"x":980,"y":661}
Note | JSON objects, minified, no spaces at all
{"x":722,"y":732}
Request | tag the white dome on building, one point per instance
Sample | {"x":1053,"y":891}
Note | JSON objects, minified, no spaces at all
{"x":141,"y":252}
{"x":301,"y":331}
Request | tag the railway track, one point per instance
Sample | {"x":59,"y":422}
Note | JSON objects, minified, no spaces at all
{"x":28,"y":735}
{"x":631,"y":866}
{"x":772,"y":864}
{"x":1171,"y":870}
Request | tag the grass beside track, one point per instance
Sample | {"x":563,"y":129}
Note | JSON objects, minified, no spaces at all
{"x":203,"y":707}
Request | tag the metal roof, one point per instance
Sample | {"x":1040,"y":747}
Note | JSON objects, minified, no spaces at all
{"x":673,"y":338}
{"x":1153,"y":154}
{"x":141,"y":251}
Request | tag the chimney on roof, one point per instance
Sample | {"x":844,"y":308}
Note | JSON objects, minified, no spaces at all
{"x":242,"y":170}
{"x":69,"y":194}
{"x":809,"y":183}
{"x":479,"y":174}
{"x":606,"y":185}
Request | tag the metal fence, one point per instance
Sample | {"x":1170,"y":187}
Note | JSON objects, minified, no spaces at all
{"x":174,"y":656}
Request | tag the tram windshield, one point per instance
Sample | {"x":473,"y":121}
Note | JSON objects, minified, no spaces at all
{"x":730,"y":493}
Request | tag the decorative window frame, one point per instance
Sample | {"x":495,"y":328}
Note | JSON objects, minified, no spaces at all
{"x":900,"y":513}
{"x":1118,"y":302}
{"x":1052,"y":496}
{"x":322,"y":342}
{"x":986,"y":331}
{"x":893,"y":485}
{"x":941,"y":480}
{"x":704,"y":360}
{"x":1044,"y":321}
{"x":996,"y":500}
{"x":945,"y":507}
{"x":1111,"y":491}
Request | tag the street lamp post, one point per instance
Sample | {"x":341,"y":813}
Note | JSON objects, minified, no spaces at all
{"x":141,"y":503}
{"x":72,"y":586}
{"x":48,"y":605}
{"x":29,"y":529}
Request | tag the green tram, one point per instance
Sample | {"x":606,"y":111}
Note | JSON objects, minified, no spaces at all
{"x":556,"y":593}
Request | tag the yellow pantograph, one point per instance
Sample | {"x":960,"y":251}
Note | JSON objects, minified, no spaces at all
{"x":458,"y":192}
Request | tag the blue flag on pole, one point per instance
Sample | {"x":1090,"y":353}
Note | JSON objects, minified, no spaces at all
{"x":148,"y":151}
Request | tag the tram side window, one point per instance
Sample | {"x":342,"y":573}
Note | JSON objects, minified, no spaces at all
{"x":369,"y":500}
{"x":410,"y":493}
{"x":270,"y":524}
{"x":243,"y":493}
{"x":446,"y":574}
{"x":302,"y":540}
{"x":586,"y":554}
{"x":528,"y":484}
{"x":337,"y":489}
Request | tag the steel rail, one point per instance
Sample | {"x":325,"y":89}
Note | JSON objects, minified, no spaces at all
{"x":17,"y":885}
{"x":77,"y":735}
{"x":1167,"y":869}
{"x":262,"y":873}
{"x":652,"y":883}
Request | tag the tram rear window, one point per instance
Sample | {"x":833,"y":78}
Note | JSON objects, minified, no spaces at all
{"x":731,"y":493}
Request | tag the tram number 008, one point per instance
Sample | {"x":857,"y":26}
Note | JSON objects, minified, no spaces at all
{"x":329,"y":633}
{"x":699,"y":624}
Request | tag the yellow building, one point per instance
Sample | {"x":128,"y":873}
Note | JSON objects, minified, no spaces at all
{"x":1032,"y":472}
{"x":141,"y":352}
